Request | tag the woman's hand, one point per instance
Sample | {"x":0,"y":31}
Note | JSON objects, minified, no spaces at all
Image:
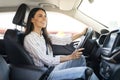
{"x":84,"y":31}
{"x":77,"y":53}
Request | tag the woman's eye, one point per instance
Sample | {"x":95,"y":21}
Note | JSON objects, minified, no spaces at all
{"x":40,"y":15}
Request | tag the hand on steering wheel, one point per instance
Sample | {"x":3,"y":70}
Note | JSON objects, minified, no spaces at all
{"x":88,"y":35}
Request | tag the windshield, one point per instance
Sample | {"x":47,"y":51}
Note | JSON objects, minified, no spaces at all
{"x":104,"y":11}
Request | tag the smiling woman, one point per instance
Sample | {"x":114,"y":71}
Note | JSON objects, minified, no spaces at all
{"x":39,"y":45}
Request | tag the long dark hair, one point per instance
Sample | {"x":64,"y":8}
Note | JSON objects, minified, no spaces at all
{"x":30,"y":26}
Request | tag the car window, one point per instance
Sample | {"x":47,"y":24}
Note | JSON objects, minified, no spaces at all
{"x":104,"y":11}
{"x":62,"y":24}
{"x":6,"y":22}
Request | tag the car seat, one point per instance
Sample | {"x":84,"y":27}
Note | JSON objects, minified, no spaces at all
{"x":12,"y":72}
{"x":4,"y":69}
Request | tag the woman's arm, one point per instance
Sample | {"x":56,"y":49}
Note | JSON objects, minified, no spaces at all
{"x":57,"y":40}
{"x":66,"y":39}
{"x":79,"y":34}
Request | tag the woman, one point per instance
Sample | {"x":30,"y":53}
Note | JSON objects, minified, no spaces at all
{"x":38,"y":43}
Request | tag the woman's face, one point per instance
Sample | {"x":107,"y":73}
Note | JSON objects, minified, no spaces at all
{"x":39,"y":20}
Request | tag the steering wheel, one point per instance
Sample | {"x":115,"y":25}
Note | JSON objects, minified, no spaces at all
{"x":88,"y":35}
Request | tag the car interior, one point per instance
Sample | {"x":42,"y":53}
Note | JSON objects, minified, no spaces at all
{"x":102,"y":52}
{"x":22,"y":61}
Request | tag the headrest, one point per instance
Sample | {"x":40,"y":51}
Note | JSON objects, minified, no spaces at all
{"x":21,"y":13}
{"x":17,"y":36}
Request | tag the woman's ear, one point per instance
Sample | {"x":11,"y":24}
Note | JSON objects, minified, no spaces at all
{"x":32,"y":20}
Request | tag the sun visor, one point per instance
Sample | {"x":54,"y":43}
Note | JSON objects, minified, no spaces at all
{"x":68,"y":4}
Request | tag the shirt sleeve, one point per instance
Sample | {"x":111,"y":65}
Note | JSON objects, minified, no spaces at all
{"x":60,"y":40}
{"x":38,"y":52}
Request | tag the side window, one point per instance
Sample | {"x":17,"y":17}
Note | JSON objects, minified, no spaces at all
{"x":6,"y":22}
{"x":61,"y":24}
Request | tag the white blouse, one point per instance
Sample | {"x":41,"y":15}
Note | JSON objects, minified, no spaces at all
{"x":35,"y":45}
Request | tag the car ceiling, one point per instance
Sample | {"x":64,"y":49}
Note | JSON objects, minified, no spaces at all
{"x":9,"y":5}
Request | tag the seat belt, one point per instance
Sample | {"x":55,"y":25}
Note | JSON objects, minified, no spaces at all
{"x":46,"y":74}
{"x":50,"y":69}
{"x":47,"y":49}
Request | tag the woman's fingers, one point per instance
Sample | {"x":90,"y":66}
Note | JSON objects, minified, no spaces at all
{"x":77,"y":53}
{"x":80,"y":50}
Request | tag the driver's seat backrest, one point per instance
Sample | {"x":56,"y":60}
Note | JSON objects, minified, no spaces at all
{"x":17,"y":55}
